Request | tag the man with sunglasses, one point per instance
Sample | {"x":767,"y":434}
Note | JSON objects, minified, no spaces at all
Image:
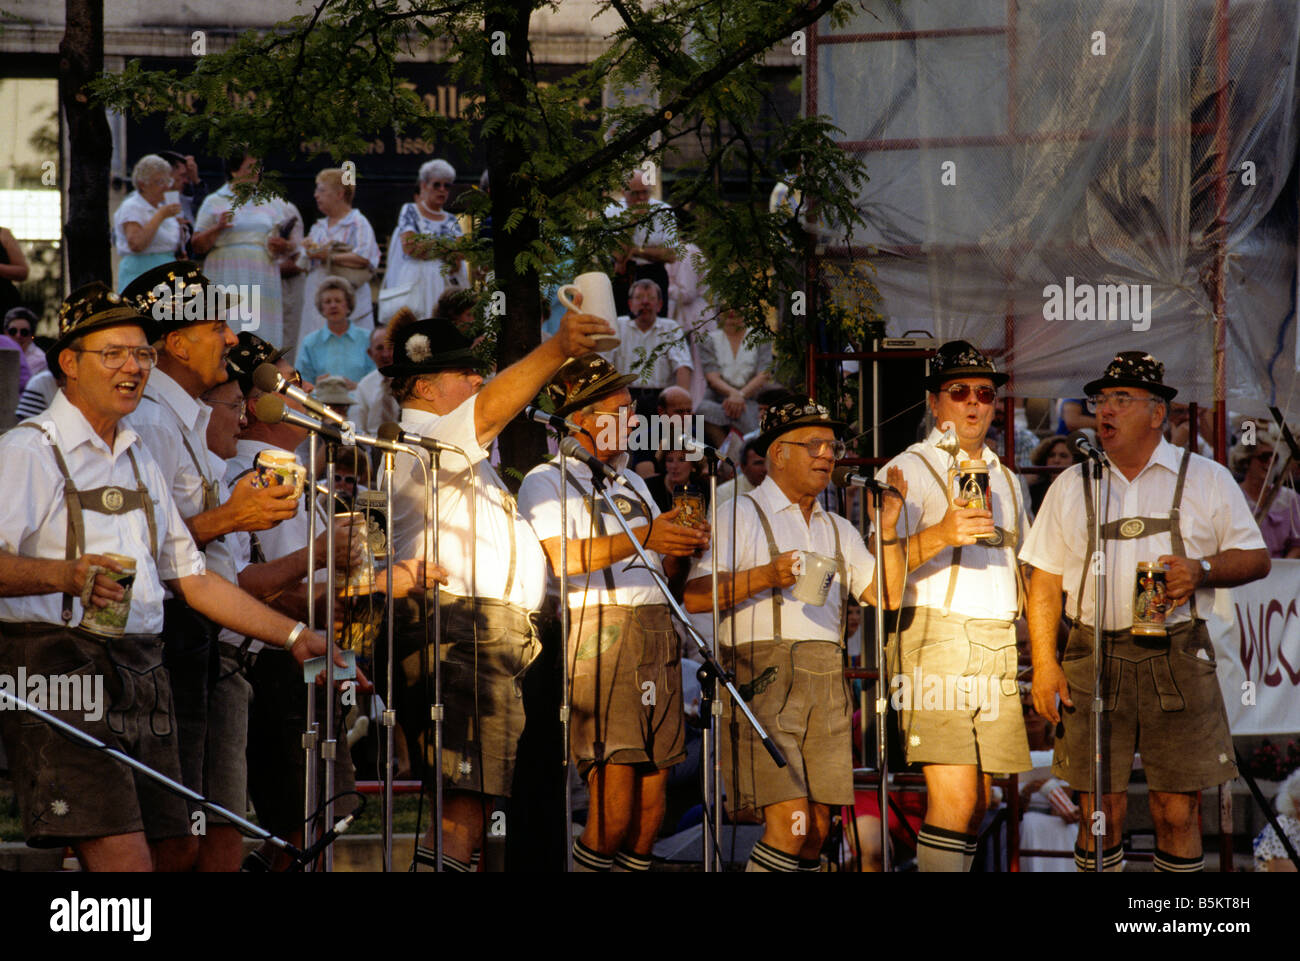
{"x":787,"y":654}
{"x":83,"y":486}
{"x":1161,"y":698}
{"x":172,"y":422}
{"x":956,"y":627}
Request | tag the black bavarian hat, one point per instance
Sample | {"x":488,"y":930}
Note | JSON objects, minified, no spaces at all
{"x":155,"y":291}
{"x":249,"y":354}
{"x":92,"y":307}
{"x":1133,"y":368}
{"x":427,"y":347}
{"x":790,"y":413}
{"x":958,"y":358}
{"x":582,"y":380}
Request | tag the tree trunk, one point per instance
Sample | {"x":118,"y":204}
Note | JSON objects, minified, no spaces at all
{"x":90,"y":145}
{"x":522,"y":445}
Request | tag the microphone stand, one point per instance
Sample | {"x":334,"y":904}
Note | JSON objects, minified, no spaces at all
{"x":390,"y":714}
{"x":882,"y":702}
{"x":436,"y":709}
{"x":1098,"y":562}
{"x":710,"y":743}
{"x":564,"y":661}
{"x":310,"y":733}
{"x":329,"y":746}
{"x":710,"y":662}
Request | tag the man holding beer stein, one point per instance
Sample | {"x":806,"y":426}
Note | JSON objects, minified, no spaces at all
{"x":81,"y":485}
{"x":957,"y":634}
{"x":1174,"y":523}
{"x":796,"y":565}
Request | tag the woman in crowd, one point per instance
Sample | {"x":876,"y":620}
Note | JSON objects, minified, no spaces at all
{"x":1270,"y":855}
{"x":342,"y":238}
{"x":735,"y":374}
{"x":341,"y":347}
{"x":675,"y":474}
{"x":148,"y":232}
{"x":411,"y":262}
{"x":1052,"y":451}
{"x":1281,"y":524}
{"x":13,"y":270}
{"x":243,"y":244}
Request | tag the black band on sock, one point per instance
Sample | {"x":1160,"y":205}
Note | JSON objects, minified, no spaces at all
{"x":1172,"y":863}
{"x":1110,"y":857}
{"x":455,"y":864}
{"x":773,"y":860}
{"x":944,"y":839}
{"x":589,"y":859}
{"x":633,"y":862}
{"x":810,"y":865}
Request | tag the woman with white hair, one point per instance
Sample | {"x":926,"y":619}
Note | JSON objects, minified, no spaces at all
{"x":146,"y":231}
{"x":342,"y":237}
{"x":1270,"y":855}
{"x":416,"y":276}
{"x":1280,"y":525}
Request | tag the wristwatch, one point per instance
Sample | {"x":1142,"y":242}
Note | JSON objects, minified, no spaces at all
{"x":1205,"y":569}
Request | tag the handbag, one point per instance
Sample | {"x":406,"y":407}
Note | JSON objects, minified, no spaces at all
{"x":356,"y":276}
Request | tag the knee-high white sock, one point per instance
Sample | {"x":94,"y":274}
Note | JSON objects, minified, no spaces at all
{"x":586,"y":860}
{"x":1112,"y":859}
{"x":1172,"y":863}
{"x":626,"y":861}
{"x":766,"y":859}
{"x":941,"y":849}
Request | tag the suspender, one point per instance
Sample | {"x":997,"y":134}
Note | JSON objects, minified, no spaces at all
{"x":101,"y":500}
{"x":1006,"y":538}
{"x":589,"y":503}
{"x":1127,"y":528}
{"x":211,"y":492}
{"x":510,"y":517}
{"x":777,"y":599}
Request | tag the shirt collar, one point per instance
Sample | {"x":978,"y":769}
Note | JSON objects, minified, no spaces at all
{"x":172,"y":395}
{"x":72,"y":429}
{"x":1166,"y":455}
{"x":771,"y":496}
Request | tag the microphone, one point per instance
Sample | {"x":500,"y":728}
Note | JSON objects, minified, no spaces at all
{"x":390,"y":431}
{"x":561,"y":424}
{"x":1087,"y":450}
{"x":681,"y":440}
{"x":848,"y":477}
{"x":326,"y":839}
{"x":271,"y":409}
{"x":266,"y":377}
{"x":570,"y":447}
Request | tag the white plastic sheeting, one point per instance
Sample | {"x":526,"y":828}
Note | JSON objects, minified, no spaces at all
{"x":1014,"y":144}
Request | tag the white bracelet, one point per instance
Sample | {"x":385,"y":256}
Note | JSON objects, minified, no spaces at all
{"x":294,"y":635}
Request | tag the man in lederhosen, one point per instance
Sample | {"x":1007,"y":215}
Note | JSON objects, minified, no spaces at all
{"x":627,"y":724}
{"x":1160,"y":695}
{"x":788,"y":654}
{"x":80,"y":486}
{"x":193,"y":340}
{"x":953,"y":666}
{"x":496,"y":568}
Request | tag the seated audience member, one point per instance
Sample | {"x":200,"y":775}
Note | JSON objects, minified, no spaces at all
{"x":1270,"y":855}
{"x":1280,"y":525}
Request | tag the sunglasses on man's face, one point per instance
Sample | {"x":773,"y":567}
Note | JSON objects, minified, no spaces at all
{"x":19,"y":332}
{"x":959,"y":393}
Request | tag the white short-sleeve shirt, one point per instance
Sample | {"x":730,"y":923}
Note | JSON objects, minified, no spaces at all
{"x":34,"y":518}
{"x":637,"y":344}
{"x":752,"y":619}
{"x":539,"y":501}
{"x":1213,"y":517}
{"x":986,"y":578}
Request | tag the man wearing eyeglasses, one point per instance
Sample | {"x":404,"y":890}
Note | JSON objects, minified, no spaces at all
{"x":1161,"y":698}
{"x":787,"y":654}
{"x":956,"y":627}
{"x":81,"y":486}
{"x":172,"y":422}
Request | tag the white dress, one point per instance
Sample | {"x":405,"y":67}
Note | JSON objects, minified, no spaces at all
{"x":427,"y":279}
{"x":354,"y":230}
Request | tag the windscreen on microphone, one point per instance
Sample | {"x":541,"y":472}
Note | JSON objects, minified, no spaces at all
{"x":840,"y":476}
{"x":267,"y":377}
{"x":269,"y":407}
{"x":389,"y":431}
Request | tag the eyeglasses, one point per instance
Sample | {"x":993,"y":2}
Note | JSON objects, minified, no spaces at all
{"x":959,"y":392}
{"x":114,"y":357}
{"x":240,"y":405}
{"x":19,"y":332}
{"x":348,"y":479}
{"x":819,"y":448}
{"x":1121,"y":402}
{"x":440,"y":184}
